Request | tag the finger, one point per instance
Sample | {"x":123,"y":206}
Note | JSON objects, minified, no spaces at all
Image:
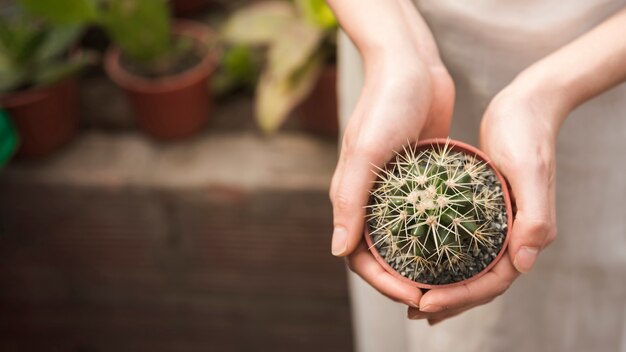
{"x":534,"y":224}
{"x":363,"y":264}
{"x":416,"y":314}
{"x":435,"y":321}
{"x":490,"y":285}
{"x":350,"y":194}
{"x":442,"y":106}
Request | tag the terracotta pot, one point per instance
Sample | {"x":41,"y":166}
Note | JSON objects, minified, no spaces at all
{"x":46,"y":118}
{"x":171,"y":107}
{"x":471,"y":150}
{"x":318,"y":113}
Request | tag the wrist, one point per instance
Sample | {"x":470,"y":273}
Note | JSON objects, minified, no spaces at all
{"x":547,"y":93}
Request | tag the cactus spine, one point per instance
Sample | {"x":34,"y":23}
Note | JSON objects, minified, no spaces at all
{"x":437,"y":215}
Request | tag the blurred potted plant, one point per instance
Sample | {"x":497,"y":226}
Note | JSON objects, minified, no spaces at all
{"x":300,"y":39}
{"x":38,"y":87}
{"x":164,"y":69}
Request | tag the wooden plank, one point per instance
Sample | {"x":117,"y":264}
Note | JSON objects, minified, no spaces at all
{"x":126,"y":269}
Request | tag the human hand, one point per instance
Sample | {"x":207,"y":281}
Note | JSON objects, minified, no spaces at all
{"x":518,"y":132}
{"x":403,"y":100}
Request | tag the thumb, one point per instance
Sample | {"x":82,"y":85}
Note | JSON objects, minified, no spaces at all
{"x":535,"y":225}
{"x":349,"y":194}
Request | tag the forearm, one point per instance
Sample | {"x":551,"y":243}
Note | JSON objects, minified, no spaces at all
{"x":588,"y":66}
{"x":384,"y":30}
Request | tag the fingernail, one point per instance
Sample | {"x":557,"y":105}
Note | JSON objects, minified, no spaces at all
{"x":432,"y":322}
{"x":525,"y":258}
{"x":431,"y":308}
{"x":413,"y":304}
{"x":340,"y":241}
{"x":415,"y":314}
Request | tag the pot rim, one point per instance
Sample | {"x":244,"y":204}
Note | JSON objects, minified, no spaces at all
{"x":469,"y":149}
{"x":196,"y":30}
{"x":23,"y":97}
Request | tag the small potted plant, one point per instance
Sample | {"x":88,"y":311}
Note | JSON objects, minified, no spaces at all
{"x":164,"y":68}
{"x":299,"y":70}
{"x":439,"y":214}
{"x":38,"y":87}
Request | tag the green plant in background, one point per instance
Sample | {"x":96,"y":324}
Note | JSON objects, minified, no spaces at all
{"x":140,"y":28}
{"x":34,"y":52}
{"x":299,"y":38}
{"x":238,"y":68}
{"x":434,"y":211}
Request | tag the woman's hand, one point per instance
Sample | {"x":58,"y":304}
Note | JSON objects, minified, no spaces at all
{"x":393,"y":109}
{"x":518,"y":132}
{"x":408,"y":95}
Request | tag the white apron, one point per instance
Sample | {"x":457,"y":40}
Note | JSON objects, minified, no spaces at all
{"x":575,"y":297}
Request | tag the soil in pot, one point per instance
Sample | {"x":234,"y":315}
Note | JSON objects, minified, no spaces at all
{"x":46,"y":118}
{"x":438,"y":215}
{"x":173,"y":103}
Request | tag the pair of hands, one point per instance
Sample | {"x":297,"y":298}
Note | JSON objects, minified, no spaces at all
{"x":408,"y":101}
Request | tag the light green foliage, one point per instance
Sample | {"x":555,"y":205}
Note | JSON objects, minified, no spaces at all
{"x":298,"y":40}
{"x":431,"y":207}
{"x":238,"y":68}
{"x":63,"y":12}
{"x":34,"y":52}
{"x":259,"y":23}
{"x":141,"y":29}
{"x":318,"y":13}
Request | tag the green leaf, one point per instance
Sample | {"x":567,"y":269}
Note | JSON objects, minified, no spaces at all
{"x":240,"y":64}
{"x":317,"y":13}
{"x":56,"y":71}
{"x":258,"y":24}
{"x":57,"y":42}
{"x":5,"y":33}
{"x":20,"y":38}
{"x":293,"y":47}
{"x":11,"y":78}
{"x":63,"y":12}
{"x":277,"y":95}
{"x":140,"y":28}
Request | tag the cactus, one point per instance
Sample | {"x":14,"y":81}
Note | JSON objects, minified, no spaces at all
{"x":437,"y":215}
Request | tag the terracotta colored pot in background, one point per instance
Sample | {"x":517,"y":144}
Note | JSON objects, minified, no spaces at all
{"x":171,"y":107}
{"x":471,"y":150}
{"x":46,"y":118}
{"x":318,"y":113}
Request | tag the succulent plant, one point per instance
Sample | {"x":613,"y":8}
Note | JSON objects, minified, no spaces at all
{"x":36,"y":53}
{"x":437,"y":214}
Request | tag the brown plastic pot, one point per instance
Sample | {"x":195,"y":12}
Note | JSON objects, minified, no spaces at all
{"x":46,"y":118}
{"x":171,"y":107}
{"x":318,"y":113}
{"x":471,"y":150}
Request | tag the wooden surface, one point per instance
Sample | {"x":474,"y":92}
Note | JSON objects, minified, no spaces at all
{"x":94,"y":259}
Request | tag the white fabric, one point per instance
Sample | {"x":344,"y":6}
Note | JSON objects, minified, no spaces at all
{"x":575,"y":298}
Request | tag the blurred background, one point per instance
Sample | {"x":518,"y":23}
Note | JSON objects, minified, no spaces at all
{"x":164,"y":179}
